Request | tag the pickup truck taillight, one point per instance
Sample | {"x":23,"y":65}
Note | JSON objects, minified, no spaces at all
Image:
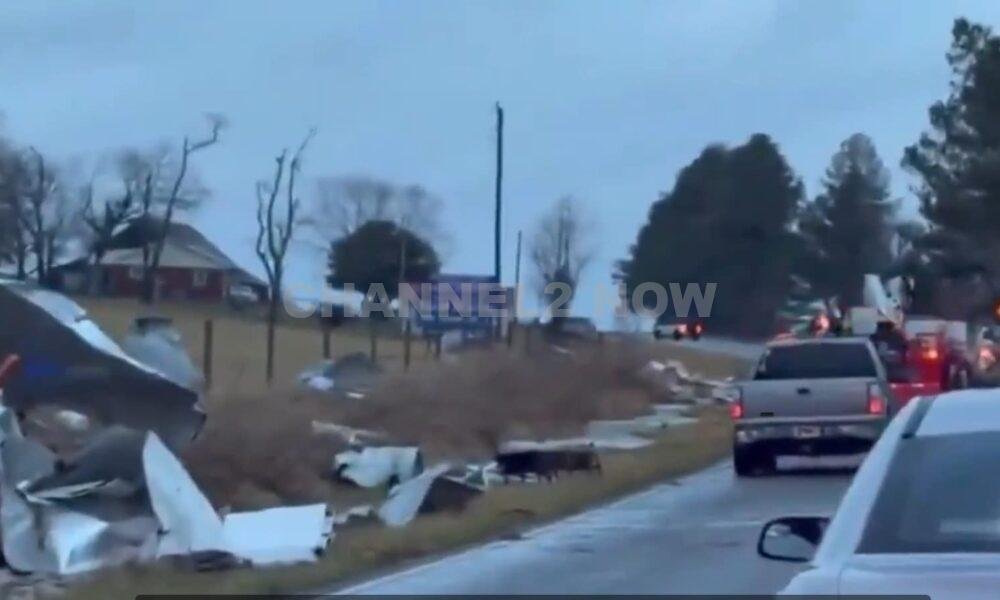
{"x":736,"y":405}
{"x":876,"y":400}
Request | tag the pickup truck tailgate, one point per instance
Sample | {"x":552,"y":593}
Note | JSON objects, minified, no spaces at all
{"x":806,"y":397}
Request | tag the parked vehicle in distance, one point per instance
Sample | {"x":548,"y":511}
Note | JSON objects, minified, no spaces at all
{"x":581,"y":327}
{"x":809,"y":397}
{"x":941,"y":351}
{"x":920,"y":516}
{"x":692,"y":330}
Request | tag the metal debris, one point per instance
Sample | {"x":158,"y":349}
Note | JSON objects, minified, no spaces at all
{"x":67,"y":361}
{"x":154,"y":341}
{"x":375,"y":466}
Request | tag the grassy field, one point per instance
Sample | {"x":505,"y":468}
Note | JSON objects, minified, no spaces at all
{"x":502,"y":512}
{"x":258,"y":450}
{"x":238,"y":356}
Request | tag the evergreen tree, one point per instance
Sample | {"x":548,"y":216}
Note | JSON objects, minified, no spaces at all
{"x":848,"y":229}
{"x":958,"y":164}
{"x":728,"y":220}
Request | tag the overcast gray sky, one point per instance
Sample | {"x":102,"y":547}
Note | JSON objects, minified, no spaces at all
{"x":605,"y":100}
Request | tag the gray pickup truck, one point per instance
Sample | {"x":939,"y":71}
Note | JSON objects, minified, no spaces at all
{"x":810,"y":397}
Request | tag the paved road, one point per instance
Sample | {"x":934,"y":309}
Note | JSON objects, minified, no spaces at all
{"x":696,"y":536}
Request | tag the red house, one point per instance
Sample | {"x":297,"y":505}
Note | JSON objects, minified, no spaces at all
{"x":191,"y":267}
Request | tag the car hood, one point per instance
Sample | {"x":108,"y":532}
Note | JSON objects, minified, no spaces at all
{"x":939,"y":576}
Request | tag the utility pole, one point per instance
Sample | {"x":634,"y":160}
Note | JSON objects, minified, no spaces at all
{"x":514,"y":299}
{"x":517,"y":276}
{"x":499,"y":179}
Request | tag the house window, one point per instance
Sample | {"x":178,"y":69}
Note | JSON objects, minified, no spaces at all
{"x":135,"y":273}
{"x":199,"y":278}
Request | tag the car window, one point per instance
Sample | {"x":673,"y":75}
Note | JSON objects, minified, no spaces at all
{"x":816,"y":361}
{"x":941,"y":495}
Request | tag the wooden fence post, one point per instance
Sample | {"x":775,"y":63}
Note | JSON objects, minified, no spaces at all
{"x":206,"y":358}
{"x":407,"y":338}
{"x":326,"y":342}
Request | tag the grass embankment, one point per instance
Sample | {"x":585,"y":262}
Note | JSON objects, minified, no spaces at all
{"x":501,"y":512}
{"x":258,"y":450}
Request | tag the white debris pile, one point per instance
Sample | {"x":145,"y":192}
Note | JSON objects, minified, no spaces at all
{"x":431,"y":491}
{"x":673,"y":377}
{"x":352,"y":376}
{"x":374,"y":466}
{"x":126,"y":498}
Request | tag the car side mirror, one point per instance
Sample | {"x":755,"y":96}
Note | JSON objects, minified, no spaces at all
{"x":791,"y":539}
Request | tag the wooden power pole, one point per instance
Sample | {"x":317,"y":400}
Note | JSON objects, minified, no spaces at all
{"x":517,"y":276}
{"x":499,"y":181}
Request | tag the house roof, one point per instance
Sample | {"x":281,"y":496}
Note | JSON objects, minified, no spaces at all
{"x":185,"y":247}
{"x":174,"y":255}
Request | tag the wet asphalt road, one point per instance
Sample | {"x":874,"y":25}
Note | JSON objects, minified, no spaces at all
{"x":694,"y":536}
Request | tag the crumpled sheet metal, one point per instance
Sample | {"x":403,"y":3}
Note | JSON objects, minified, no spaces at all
{"x":282,"y":535}
{"x":53,"y":538}
{"x":431,"y":491}
{"x":375,"y":466}
{"x":68,"y":361}
{"x":158,"y":344}
{"x":188,"y":521}
{"x":406,"y":498}
{"x":189,"y":524}
{"x":110,"y":463}
{"x":78,"y":528}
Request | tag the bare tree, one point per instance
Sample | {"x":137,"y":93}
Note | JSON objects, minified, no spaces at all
{"x":560,"y":251}
{"x":343,"y":204}
{"x":103,"y":219}
{"x":14,"y":185}
{"x":274,"y":233}
{"x":419,"y":211}
{"x":173,"y":200}
{"x":43,"y":219}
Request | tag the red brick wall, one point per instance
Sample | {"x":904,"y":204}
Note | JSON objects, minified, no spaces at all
{"x":176,"y":283}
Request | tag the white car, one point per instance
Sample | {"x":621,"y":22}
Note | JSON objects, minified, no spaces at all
{"x":922,"y":515}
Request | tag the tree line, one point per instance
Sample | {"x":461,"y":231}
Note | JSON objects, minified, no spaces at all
{"x":739,"y":216}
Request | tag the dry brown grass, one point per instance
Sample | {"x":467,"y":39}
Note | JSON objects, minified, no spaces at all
{"x":463,"y":409}
{"x":258,"y":450}
{"x":501,"y":512}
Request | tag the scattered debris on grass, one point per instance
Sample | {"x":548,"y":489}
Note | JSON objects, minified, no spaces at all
{"x":99,"y":468}
{"x":372,"y":467}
